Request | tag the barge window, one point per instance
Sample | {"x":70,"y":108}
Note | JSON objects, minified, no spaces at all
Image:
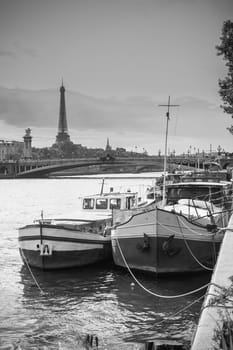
{"x":88,"y":203}
{"x":101,"y":203}
{"x":130,"y":202}
{"x":188,"y":192}
{"x":203,"y":193}
{"x":115,"y":203}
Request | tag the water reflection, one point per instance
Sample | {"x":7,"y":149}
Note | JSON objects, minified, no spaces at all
{"x":106,"y":302}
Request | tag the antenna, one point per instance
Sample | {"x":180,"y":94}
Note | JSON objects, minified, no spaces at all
{"x":102,"y":187}
{"x":165,"y":151}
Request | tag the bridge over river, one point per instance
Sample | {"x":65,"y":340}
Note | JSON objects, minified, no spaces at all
{"x":82,"y":166}
{"x":86,"y":166}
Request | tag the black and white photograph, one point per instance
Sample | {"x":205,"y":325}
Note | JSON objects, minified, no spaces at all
{"x":116,"y":174}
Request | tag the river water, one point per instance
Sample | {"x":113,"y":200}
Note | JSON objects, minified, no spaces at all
{"x":99,"y":300}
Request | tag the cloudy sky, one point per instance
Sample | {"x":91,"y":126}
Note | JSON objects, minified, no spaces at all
{"x":119,"y":59}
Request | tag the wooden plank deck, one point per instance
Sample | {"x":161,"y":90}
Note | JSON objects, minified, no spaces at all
{"x":215,"y":313}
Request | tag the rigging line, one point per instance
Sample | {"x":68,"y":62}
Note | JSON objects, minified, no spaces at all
{"x":149,"y":291}
{"x":209,"y":207}
{"x":207,"y":195}
{"x":37,"y":284}
{"x":168,"y":229}
{"x":206,"y":199}
{"x":190,"y":251}
{"x":196,"y":232}
{"x":188,"y":228}
{"x":216,"y":213}
{"x":210,"y":214}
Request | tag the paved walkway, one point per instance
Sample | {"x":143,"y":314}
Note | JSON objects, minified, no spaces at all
{"x":209,"y":332}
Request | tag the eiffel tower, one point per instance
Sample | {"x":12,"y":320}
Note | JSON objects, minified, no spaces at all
{"x":62,"y":135}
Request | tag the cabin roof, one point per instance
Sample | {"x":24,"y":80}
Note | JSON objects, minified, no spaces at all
{"x":112,"y":195}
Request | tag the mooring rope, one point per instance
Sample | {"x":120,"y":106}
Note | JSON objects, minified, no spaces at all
{"x":34,"y":278}
{"x":195,"y":232}
{"x":189,"y":228}
{"x":190,"y":250}
{"x":153,"y":293}
{"x":169,"y":317}
{"x":180,"y":310}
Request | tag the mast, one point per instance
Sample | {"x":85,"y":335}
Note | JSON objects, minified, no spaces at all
{"x":102,"y":187}
{"x":165,"y":151}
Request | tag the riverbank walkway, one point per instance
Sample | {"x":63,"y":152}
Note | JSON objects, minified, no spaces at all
{"x":215,"y":326}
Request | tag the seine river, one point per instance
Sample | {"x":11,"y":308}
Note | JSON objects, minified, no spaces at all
{"x":101,"y":300}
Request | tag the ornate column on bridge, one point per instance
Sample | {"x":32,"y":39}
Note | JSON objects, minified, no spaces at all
{"x":27,"y":149}
{"x":62,"y":135}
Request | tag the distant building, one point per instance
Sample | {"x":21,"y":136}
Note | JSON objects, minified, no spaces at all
{"x":10,"y":149}
{"x":62,"y":136}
